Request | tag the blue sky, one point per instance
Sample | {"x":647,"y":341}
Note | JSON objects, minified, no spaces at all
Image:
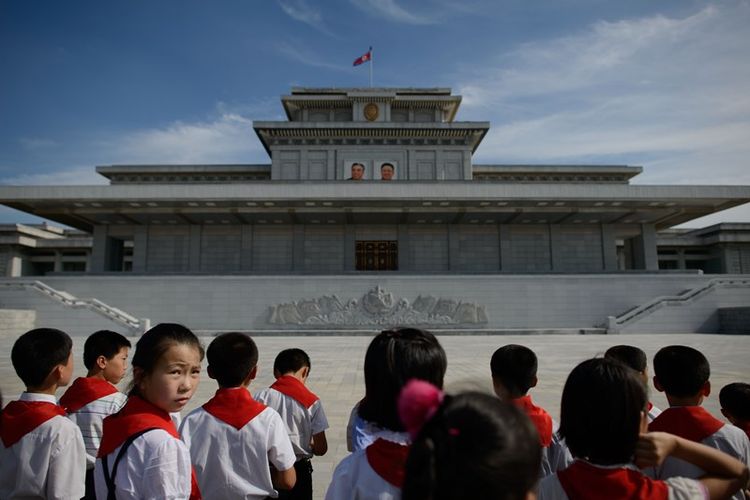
{"x":663,"y":85}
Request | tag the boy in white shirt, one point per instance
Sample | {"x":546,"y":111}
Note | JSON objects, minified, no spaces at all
{"x":91,"y":398}
{"x":682,"y":373}
{"x":233,"y":439}
{"x":41,"y":452}
{"x":303,"y":414}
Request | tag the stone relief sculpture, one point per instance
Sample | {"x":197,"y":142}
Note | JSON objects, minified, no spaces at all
{"x":377,"y":308}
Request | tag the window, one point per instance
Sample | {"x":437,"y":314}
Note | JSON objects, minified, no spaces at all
{"x":377,"y":256}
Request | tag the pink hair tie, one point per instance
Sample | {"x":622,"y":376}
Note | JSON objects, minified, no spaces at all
{"x":417,"y":404}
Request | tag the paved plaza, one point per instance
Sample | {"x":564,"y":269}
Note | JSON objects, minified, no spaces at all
{"x":338,"y":379}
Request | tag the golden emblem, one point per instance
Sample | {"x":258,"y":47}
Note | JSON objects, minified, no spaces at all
{"x":371,"y":112}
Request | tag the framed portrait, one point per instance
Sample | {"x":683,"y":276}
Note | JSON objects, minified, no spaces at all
{"x":356,"y":170}
{"x":387,"y":170}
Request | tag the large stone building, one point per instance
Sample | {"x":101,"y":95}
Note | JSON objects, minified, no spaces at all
{"x":303,"y":229}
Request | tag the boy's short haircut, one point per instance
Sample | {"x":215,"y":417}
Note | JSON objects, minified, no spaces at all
{"x":600,"y":411}
{"x":681,"y":370}
{"x":291,"y":360}
{"x":102,"y":343}
{"x":37,"y":352}
{"x":231,"y":357}
{"x":630,"y":355}
{"x":735,"y":398}
{"x":515,"y":367}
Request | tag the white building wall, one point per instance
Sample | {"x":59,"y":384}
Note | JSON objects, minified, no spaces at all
{"x":243,"y":302}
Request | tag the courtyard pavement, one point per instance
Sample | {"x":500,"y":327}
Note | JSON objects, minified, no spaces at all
{"x":337,"y":376}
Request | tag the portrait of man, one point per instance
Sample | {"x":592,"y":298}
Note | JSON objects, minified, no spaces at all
{"x":357,"y":172}
{"x":387,"y":171}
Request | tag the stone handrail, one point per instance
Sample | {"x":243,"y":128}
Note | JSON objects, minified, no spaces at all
{"x":135,"y":325}
{"x":616,"y":323}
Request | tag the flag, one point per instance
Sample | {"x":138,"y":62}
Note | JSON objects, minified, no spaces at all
{"x":363,"y":58}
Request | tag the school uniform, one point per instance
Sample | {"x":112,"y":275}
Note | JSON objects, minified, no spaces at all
{"x":555,"y":454}
{"x":302,"y":412}
{"x":587,"y":481}
{"x":697,"y":424}
{"x":361,"y":433}
{"x":87,"y":401}
{"x":41,"y":452}
{"x":376,"y":473}
{"x":233,"y":441}
{"x":155,"y":462}
{"x":653,"y":412}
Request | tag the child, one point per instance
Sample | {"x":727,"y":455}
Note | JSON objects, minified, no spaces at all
{"x":141,"y":455}
{"x":682,"y":373}
{"x":42,"y":453}
{"x":635,"y":358}
{"x":393,"y":358}
{"x":91,"y":398}
{"x":233,"y":439}
{"x":735,"y":404}
{"x":603,"y":421}
{"x":467,"y":446}
{"x":302,"y":412}
{"x":513,"y":374}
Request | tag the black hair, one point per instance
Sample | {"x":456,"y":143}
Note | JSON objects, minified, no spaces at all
{"x":475,"y":446}
{"x":735,"y":399}
{"x":291,"y":360}
{"x":153,"y":344}
{"x":393,"y":358}
{"x":358,"y":163}
{"x":102,"y":343}
{"x":628,"y":355}
{"x":514,"y":366}
{"x":37,"y":352}
{"x":600,"y":412}
{"x":681,"y":370}
{"x":231,"y":356}
{"x":387,"y":164}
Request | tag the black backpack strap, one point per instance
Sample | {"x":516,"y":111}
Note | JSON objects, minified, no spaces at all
{"x":109,"y":478}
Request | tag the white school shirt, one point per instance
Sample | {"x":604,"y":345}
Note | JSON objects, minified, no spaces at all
{"x":556,"y":456}
{"x":156,"y":465}
{"x":680,"y":488}
{"x":231,"y":463}
{"x":303,"y":423}
{"x":653,"y":412}
{"x":89,"y":419}
{"x":729,"y":439}
{"x":355,"y":479}
{"x":48,"y":462}
{"x":361,"y":433}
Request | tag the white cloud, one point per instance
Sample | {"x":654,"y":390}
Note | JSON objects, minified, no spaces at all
{"x":301,"y":11}
{"x":229,"y":138}
{"x":670,"y":93}
{"x":390,"y":10}
{"x":303,"y":55}
{"x":73,"y":176}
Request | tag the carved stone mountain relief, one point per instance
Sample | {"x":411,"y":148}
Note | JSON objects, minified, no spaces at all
{"x":377,"y":308}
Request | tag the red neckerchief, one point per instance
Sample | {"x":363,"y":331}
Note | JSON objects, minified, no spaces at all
{"x":85,"y":390}
{"x":235,"y":406}
{"x":295,"y":389}
{"x":388,"y":460}
{"x":650,"y":405}
{"x":539,"y":417}
{"x":21,"y":417}
{"x":689,"y":422}
{"x":139,"y":415}
{"x":583,"y":481}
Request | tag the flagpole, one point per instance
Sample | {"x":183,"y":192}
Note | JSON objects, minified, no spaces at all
{"x":370,"y":67}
